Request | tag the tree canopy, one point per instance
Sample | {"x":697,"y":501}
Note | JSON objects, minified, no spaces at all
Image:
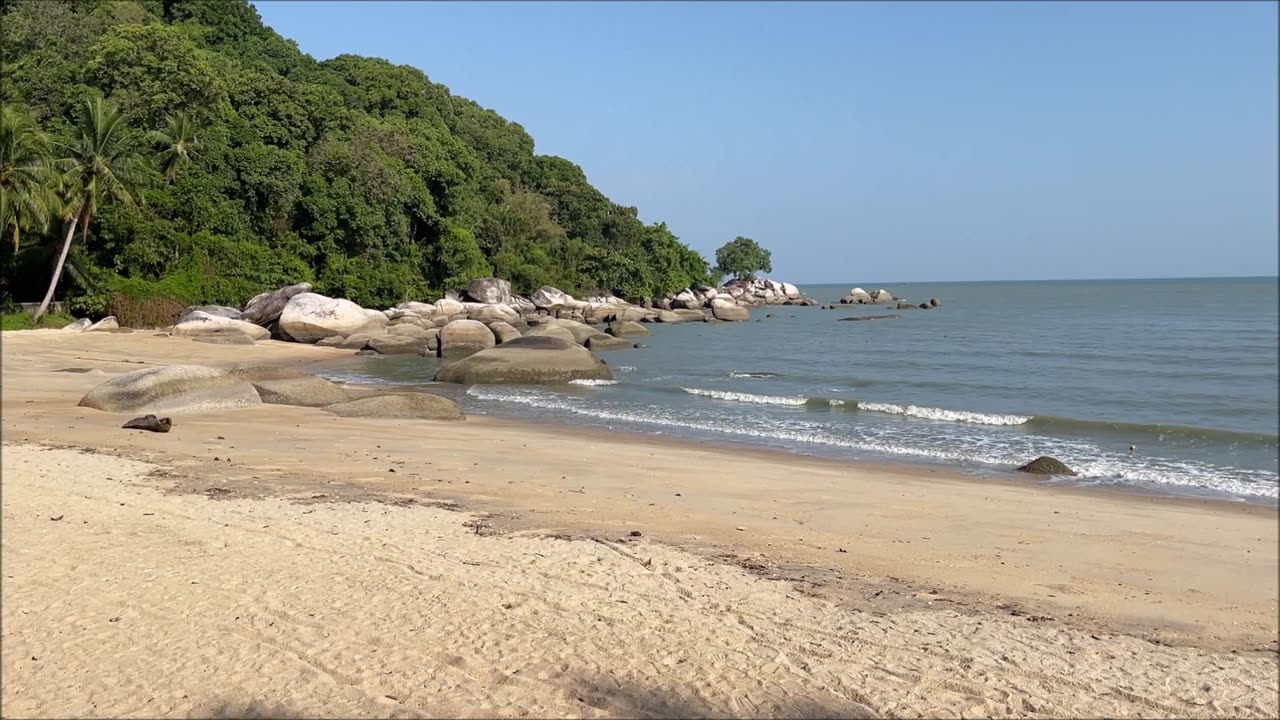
{"x":743,"y":257}
{"x":363,"y":177}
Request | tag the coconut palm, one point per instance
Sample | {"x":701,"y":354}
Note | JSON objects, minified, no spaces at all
{"x":25,"y":197}
{"x":98,"y":166}
{"x":177,"y":145}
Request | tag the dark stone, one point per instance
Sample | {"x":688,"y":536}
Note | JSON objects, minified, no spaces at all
{"x":872,"y":317}
{"x":934,"y":302}
{"x":265,"y":309}
{"x":149,"y":422}
{"x":1046,"y":465}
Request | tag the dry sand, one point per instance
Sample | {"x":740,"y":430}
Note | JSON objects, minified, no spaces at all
{"x":296,"y":575}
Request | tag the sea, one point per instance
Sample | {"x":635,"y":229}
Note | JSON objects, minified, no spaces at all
{"x":1165,"y":386}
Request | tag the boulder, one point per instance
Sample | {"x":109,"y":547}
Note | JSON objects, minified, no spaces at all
{"x":310,"y":391}
{"x":489,"y":290}
{"x":690,"y":314}
{"x":416,"y":406}
{"x":77,"y":326}
{"x":266,"y":308}
{"x":172,"y":388}
{"x":503,"y":332}
{"x":556,"y":332}
{"x":257,"y":372}
{"x":492,"y":313}
{"x":602,"y":342}
{"x":926,"y":306}
{"x":219,"y":310}
{"x":527,"y":360}
{"x":790,"y":291}
{"x":687,"y":299}
{"x":308,"y":317}
{"x":388,"y":344}
{"x":331,"y":341}
{"x":857,"y":295}
{"x":375,"y":319}
{"x":449,"y":307}
{"x":199,"y":323}
{"x":461,"y":338}
{"x":550,"y":298}
{"x":909,"y":306}
{"x":418,"y":308}
{"x":882,"y":297}
{"x":409,"y":330}
{"x":106,"y":324}
{"x":1045,"y":465}
{"x":934,"y":302}
{"x":626,"y":328}
{"x":731,"y":313}
{"x":359,"y":341}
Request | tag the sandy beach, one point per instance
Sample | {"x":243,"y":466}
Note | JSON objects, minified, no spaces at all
{"x":282,"y":561}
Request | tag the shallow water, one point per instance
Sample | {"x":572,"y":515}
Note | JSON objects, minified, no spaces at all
{"x":1183,"y":370}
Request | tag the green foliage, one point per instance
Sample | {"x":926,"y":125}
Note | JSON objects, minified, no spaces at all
{"x":265,"y":167}
{"x":742,"y":258}
{"x":22,"y":320}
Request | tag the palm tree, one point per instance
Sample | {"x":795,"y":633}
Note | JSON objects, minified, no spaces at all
{"x":25,"y":197}
{"x":178,"y":145}
{"x":98,"y":166}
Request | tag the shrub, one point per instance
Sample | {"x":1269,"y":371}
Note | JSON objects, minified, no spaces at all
{"x":23,"y":320}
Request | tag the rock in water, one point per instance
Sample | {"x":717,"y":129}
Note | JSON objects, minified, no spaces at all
{"x":730,"y":313}
{"x":627,"y":328}
{"x":1045,"y":465}
{"x":308,"y":317}
{"x":308,"y":391}
{"x":856,"y":296}
{"x":870,"y":317}
{"x":527,"y":360}
{"x":149,"y":422}
{"x":934,"y":302}
{"x":489,"y":290}
{"x":461,"y":338}
{"x":420,"y":406}
{"x":265,"y":309}
{"x":601,"y":342}
{"x":173,"y":388}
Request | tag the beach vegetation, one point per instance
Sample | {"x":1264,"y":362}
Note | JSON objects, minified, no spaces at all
{"x":742,"y":258}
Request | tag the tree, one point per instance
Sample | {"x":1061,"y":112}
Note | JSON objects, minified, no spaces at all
{"x":743,"y":258}
{"x":177,"y":145}
{"x":25,"y":200}
{"x":97,"y":167}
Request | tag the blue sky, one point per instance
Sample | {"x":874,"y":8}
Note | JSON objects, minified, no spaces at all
{"x":907,"y":141}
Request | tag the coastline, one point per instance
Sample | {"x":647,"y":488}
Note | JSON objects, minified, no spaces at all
{"x":992,"y":567}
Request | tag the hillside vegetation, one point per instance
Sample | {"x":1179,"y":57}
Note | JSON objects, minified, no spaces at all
{"x":360,"y":176}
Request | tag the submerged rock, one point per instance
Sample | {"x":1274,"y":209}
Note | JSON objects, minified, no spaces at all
{"x":527,"y":360}
{"x":1046,"y":465}
{"x":856,"y":318}
{"x":418,"y":406}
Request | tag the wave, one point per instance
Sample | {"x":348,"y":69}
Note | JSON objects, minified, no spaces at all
{"x":738,"y":374}
{"x":1160,"y":432}
{"x":748,"y":397}
{"x":931,"y":413}
{"x":592,"y":383}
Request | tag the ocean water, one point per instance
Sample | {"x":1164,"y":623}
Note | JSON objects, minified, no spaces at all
{"x":1185,"y":371}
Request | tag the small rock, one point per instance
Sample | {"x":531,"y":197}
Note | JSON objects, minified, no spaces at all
{"x":149,"y":422}
{"x":634,"y":533}
{"x":56,"y":519}
{"x":1046,"y":465}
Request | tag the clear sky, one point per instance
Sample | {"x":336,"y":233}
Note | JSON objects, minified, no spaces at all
{"x":898,"y":141}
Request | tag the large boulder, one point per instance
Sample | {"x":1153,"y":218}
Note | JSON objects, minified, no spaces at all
{"x":790,"y":291}
{"x":418,"y":308}
{"x":309,"y":391}
{"x":387,"y":344}
{"x":308,"y":317}
{"x":503,"y":331}
{"x":106,"y":324}
{"x":882,"y":297}
{"x":172,"y":388}
{"x":527,"y":360}
{"x":448,"y":307}
{"x":409,"y":330}
{"x":489,"y":290}
{"x":416,"y":406}
{"x":1045,"y":465}
{"x":688,"y":300}
{"x":461,"y":338}
{"x":627,"y":328}
{"x":219,"y":310}
{"x":229,"y":337}
{"x":549,"y":298}
{"x":730,"y":313}
{"x":553,"y":331}
{"x":690,"y":314}
{"x":492,"y":313}
{"x":856,"y":296}
{"x":602,"y":342}
{"x":265,"y":308}
{"x":580,"y":331}
{"x":199,"y":324}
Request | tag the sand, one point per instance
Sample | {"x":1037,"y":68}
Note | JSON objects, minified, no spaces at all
{"x":494,"y":574}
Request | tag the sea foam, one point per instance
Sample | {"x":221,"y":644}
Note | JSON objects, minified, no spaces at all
{"x":747,"y":397}
{"x":940,"y":414}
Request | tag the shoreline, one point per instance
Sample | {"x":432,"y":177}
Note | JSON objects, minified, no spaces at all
{"x":1048,"y":549}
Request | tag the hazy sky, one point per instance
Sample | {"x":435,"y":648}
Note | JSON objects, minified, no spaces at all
{"x":882,"y":141}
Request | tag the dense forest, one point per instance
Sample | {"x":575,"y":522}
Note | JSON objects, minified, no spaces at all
{"x":360,"y":176}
